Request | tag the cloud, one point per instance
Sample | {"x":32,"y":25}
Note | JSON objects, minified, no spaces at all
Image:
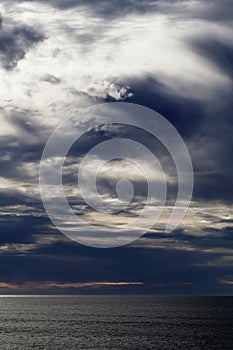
{"x":15,"y":42}
{"x":226,"y":282}
{"x":49,"y":78}
{"x":105,"y":90}
{"x":172,"y":56}
{"x":22,"y":228}
{"x":102,"y":7}
{"x":114,"y":52}
{"x":216,"y":50}
{"x":216,"y":10}
{"x":43,"y":253}
{"x":53,"y":286}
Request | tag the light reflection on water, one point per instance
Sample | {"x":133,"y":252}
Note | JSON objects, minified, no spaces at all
{"x":115,"y":322}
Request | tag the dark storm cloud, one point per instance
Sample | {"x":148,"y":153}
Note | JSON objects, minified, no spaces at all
{"x":161,"y":270}
{"x":216,"y":10}
{"x":214,"y":169}
{"x":103,"y":7}
{"x":15,"y":42}
{"x":16,"y":229}
{"x":215,"y":186}
{"x":21,"y":152}
{"x":216,"y":51}
{"x":211,"y":239}
{"x":184,"y":113}
{"x":12,"y":197}
{"x":179,"y":241}
{"x":18,"y":158}
{"x":184,"y":263}
{"x":19,"y":163}
{"x":206,"y":128}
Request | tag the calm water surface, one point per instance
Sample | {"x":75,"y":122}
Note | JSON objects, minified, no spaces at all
{"x":116,"y":322}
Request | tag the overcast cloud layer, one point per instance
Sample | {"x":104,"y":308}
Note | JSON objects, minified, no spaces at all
{"x":57,"y":57}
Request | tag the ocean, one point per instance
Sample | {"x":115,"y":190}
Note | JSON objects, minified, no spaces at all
{"x":116,"y":322}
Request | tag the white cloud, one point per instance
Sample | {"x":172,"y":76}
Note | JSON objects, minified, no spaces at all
{"x":92,"y":57}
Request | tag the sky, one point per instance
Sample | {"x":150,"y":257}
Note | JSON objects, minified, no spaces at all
{"x":59,"y":57}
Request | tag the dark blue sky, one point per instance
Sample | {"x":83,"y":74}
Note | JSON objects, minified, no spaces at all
{"x":174,"y":57}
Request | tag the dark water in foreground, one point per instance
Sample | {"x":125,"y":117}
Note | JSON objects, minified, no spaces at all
{"x":116,"y":322}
